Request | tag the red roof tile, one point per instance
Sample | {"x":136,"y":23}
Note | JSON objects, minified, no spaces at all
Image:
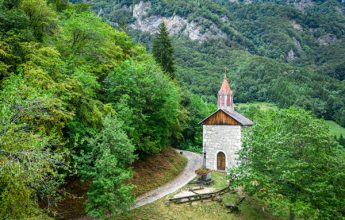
{"x":225,"y":88}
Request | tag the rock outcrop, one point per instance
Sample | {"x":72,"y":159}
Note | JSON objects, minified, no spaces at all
{"x":176,"y":25}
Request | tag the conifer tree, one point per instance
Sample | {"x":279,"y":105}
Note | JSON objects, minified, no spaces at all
{"x":163,"y":51}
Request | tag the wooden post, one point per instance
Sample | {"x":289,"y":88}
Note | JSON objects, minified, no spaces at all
{"x":204,"y":161}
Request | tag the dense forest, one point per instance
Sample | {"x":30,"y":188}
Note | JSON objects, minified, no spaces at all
{"x":284,"y":52}
{"x":82,"y":96}
{"x":78,"y":96}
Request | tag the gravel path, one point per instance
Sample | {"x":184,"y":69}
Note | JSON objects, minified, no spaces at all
{"x":194,"y":162}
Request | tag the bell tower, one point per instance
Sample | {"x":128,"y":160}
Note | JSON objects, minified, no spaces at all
{"x":225,"y":95}
{"x":222,"y":132}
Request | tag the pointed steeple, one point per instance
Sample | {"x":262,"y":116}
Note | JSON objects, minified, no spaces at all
{"x":225,"y":95}
{"x":225,"y":88}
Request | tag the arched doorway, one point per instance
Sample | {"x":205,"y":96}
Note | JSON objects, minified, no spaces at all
{"x":220,"y":161}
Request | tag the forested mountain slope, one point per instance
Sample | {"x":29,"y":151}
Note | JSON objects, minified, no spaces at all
{"x":77,"y":101}
{"x":286,"y":52}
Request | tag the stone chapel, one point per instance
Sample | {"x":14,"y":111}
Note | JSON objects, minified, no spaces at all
{"x":222,"y":131}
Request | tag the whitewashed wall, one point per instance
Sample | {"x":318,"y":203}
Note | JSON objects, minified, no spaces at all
{"x":225,"y":138}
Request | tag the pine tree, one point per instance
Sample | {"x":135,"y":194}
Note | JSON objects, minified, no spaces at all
{"x":163,"y":50}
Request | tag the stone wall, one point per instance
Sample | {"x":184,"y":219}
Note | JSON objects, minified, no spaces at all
{"x":225,"y":138}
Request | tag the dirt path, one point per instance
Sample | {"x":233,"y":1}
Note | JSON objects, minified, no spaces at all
{"x":194,"y":162}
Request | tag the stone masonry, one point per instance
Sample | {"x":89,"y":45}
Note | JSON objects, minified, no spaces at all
{"x":223,"y":138}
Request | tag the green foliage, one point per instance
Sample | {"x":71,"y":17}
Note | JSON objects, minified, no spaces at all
{"x":56,"y":104}
{"x":293,"y":164}
{"x":147,"y":101}
{"x":163,"y":51}
{"x":341,"y":140}
{"x":259,"y":37}
{"x":29,"y":164}
{"x":103,"y":162}
{"x":108,"y":192}
{"x":255,"y":78}
{"x":197,"y":109}
{"x":335,"y":129}
{"x":41,"y":16}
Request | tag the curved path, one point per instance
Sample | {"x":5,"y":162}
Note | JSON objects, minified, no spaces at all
{"x":194,"y":162}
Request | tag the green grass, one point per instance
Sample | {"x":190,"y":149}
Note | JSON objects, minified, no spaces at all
{"x":335,"y":129}
{"x":250,"y":208}
{"x":263,"y":106}
{"x":220,"y":181}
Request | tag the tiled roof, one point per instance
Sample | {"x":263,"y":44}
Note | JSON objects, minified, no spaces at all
{"x":225,"y":88}
{"x":238,"y":117}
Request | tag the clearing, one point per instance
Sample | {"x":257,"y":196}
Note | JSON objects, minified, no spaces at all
{"x":250,"y":209}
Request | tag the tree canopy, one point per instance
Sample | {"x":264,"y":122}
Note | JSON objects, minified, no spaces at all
{"x":76,"y":101}
{"x":290,"y":161}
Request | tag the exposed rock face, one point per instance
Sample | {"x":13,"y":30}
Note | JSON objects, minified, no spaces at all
{"x":302,"y":4}
{"x":327,"y":39}
{"x":291,"y":55}
{"x":175,"y":24}
{"x":296,"y":26}
{"x":100,"y":12}
{"x":297,"y":43}
{"x":245,"y":1}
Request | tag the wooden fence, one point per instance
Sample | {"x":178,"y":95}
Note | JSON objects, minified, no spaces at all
{"x":200,"y":197}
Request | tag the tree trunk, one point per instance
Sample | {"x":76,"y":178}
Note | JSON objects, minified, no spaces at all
{"x":292,"y":215}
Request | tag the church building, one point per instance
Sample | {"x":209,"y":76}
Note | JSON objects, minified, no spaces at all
{"x":222,"y":131}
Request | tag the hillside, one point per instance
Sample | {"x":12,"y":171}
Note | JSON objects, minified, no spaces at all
{"x":77,"y":103}
{"x":87,"y":113}
{"x":285,"y":52}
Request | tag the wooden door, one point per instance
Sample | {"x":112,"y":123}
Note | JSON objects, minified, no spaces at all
{"x":220,"y":161}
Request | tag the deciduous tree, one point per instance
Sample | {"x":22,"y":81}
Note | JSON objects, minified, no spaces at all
{"x":290,"y":161}
{"x":104,"y":162}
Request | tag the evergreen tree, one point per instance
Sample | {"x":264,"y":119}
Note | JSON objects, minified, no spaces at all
{"x":163,"y":50}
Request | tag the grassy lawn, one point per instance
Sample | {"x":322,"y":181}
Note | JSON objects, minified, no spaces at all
{"x":263,"y":106}
{"x":335,"y":129}
{"x":250,"y":208}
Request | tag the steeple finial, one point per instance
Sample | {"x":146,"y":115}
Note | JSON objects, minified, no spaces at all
{"x":225,"y":96}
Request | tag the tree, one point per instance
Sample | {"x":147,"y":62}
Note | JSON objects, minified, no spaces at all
{"x":163,"y":51}
{"x":29,"y":166}
{"x":149,"y":103}
{"x":42,"y":17}
{"x":290,"y":161}
{"x":104,"y":163}
{"x":109,"y":194}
